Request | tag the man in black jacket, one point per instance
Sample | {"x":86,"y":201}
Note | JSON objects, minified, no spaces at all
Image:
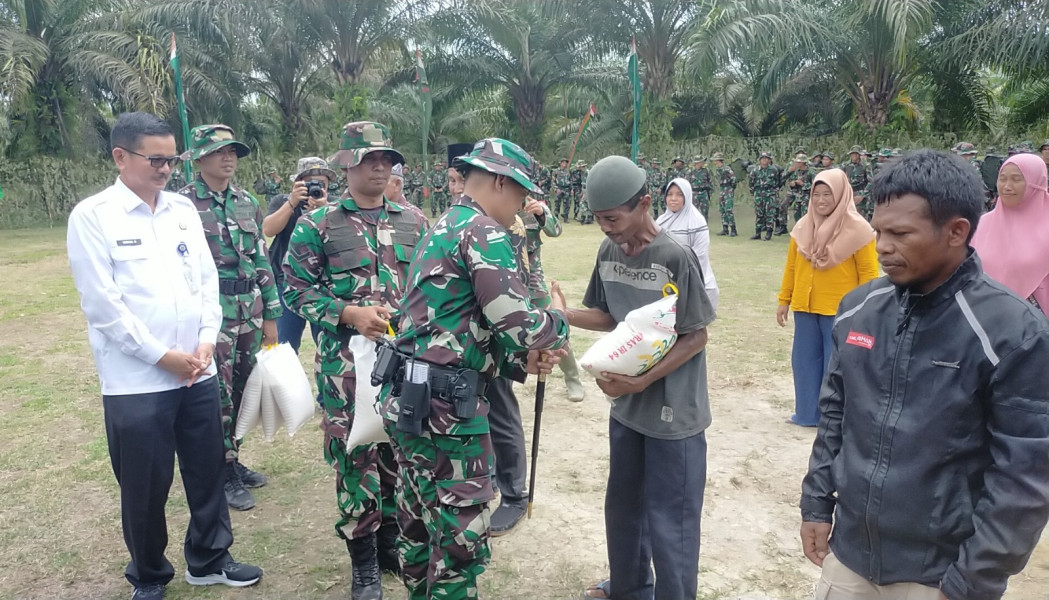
{"x":932,"y":455}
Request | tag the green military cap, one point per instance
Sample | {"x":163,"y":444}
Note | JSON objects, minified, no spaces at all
{"x":654,"y":161}
{"x":563,"y":160}
{"x":801,"y":158}
{"x":699,"y":158}
{"x":205,"y":139}
{"x":313,"y":165}
{"x":717,"y":156}
{"x":827,"y":154}
{"x":765,"y":155}
{"x":501,"y":157}
{"x":612,"y":181}
{"x":580,"y":163}
{"x":965,"y":148}
{"x":1043,"y":146}
{"x":641,"y":156}
{"x":678,"y":159}
{"x":856,"y":149}
{"x":361,"y":138}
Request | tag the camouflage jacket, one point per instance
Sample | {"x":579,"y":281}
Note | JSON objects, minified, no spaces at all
{"x":465,"y":303}
{"x":544,"y":179}
{"x":804,"y":177}
{"x":534,"y":228}
{"x":727,"y":179}
{"x":700,"y":181}
{"x":413,"y":180}
{"x":859,"y":176}
{"x":337,"y":258}
{"x":765,"y":180}
{"x":576,"y":179}
{"x":562,"y":179}
{"x":233,"y":227}
{"x":438,"y":181}
{"x":657,"y":179}
{"x":978,"y":165}
{"x":673,"y":173}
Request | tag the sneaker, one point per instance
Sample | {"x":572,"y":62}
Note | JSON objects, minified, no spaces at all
{"x":233,"y":574}
{"x":251,"y":479}
{"x":505,"y":518}
{"x":149,"y":592}
{"x":237,"y":497}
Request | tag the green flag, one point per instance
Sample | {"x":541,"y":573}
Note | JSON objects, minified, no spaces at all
{"x":424,"y":94}
{"x":635,"y":81}
{"x":180,"y":99}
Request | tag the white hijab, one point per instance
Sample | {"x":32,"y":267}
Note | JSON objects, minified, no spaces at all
{"x":690,"y":228}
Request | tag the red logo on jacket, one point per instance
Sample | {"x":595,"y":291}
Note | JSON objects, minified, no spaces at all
{"x":860,"y":339}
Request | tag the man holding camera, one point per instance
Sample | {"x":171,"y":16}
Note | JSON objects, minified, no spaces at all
{"x":309,"y":191}
{"x":344,"y":272}
{"x":232,"y":221}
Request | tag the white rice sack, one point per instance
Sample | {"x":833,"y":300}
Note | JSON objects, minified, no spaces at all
{"x":287,"y":381}
{"x":250,"y":404}
{"x":636,"y":344}
{"x":269,"y":414}
{"x":367,"y":423}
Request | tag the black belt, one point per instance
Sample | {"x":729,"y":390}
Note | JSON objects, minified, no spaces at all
{"x":229,"y":287}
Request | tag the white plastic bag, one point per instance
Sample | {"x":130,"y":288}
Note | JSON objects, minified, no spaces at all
{"x":286,"y":380}
{"x":269,"y":415}
{"x":367,"y":423}
{"x":638,"y":343}
{"x":250,"y":404}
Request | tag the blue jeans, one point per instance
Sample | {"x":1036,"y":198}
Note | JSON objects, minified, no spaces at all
{"x":653,"y":506}
{"x":809,"y":359}
{"x":290,"y":325}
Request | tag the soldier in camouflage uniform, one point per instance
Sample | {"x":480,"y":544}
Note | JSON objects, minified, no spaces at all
{"x":232,"y":220}
{"x":799,"y":186}
{"x":860,"y":177}
{"x":438,"y":181}
{"x":677,"y":169}
{"x":764,"y":180}
{"x":576,"y":179}
{"x":344,"y":271}
{"x":268,"y":186}
{"x":175,"y":183}
{"x":562,"y":189}
{"x":585,"y":216}
{"x":544,"y":179}
{"x":657,"y":179}
{"x":827,"y":162}
{"x":880,"y":158}
{"x":968,"y":152}
{"x":700,"y":180}
{"x":726,"y":178}
{"x":465,"y":309}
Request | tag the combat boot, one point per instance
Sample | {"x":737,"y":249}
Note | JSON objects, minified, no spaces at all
{"x":386,"y":542}
{"x":724,"y":230}
{"x":733,"y":233}
{"x":757,"y":235}
{"x":768,"y":234}
{"x":237,"y":496}
{"x":570,"y":368}
{"x":367,"y":580}
{"x":251,"y":479}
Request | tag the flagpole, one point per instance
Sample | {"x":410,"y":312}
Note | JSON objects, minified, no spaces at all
{"x":180,"y":99}
{"x":635,"y":81}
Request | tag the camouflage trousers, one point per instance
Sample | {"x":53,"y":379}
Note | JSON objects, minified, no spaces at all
{"x":801,"y":205}
{"x":864,"y":204}
{"x":415,"y":196}
{"x":766,"y":209}
{"x":659,"y":204}
{"x":585,"y":216}
{"x":365,"y":476}
{"x":438,"y":203}
{"x":562,"y":202}
{"x":577,"y":201}
{"x":443,"y":492}
{"x":701,"y":200}
{"x":726,"y":205}
{"x":239,"y":340}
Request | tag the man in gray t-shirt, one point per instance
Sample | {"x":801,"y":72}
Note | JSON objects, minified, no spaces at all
{"x":657,"y":448}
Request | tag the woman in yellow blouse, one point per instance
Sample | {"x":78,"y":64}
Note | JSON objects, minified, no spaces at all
{"x":831,"y":253}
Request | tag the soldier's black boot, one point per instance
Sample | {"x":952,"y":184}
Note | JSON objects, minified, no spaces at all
{"x":367,"y":580}
{"x":757,"y":235}
{"x":724,"y":230}
{"x":733,"y":234}
{"x":386,"y":541}
{"x":237,"y":496}
{"x":768,"y":234}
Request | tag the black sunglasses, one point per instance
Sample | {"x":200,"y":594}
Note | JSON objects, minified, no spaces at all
{"x":156,"y":162}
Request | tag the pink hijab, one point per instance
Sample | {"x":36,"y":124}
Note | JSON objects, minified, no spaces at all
{"x":1013,"y":242}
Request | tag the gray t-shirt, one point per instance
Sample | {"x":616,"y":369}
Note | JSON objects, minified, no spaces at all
{"x":677,"y":406}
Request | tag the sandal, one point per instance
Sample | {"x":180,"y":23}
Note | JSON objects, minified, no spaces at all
{"x":599,"y":590}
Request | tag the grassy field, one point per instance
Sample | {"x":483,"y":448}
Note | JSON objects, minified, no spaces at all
{"x":59,"y":512}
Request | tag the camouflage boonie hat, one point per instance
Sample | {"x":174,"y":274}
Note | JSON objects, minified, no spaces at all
{"x":313,"y":165}
{"x":654,"y":161}
{"x":765,"y":155}
{"x":829,"y":155}
{"x":1044,"y":144}
{"x":817,"y":155}
{"x":641,"y":156}
{"x":965,"y":148}
{"x":856,"y":149}
{"x":580,"y":163}
{"x":801,"y":158}
{"x":717,"y":156}
{"x":886,"y":152}
{"x":501,"y":157}
{"x":899,"y":152}
{"x":205,"y":139}
{"x":1026,"y":146}
{"x":361,"y":138}
{"x":677,"y":159}
{"x":699,"y":158}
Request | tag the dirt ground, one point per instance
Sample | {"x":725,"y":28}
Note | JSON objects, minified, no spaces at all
{"x":59,"y":514}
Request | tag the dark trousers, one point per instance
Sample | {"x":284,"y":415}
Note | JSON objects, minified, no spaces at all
{"x":290,"y":325}
{"x":809,"y":359}
{"x":508,"y":443}
{"x":653,"y":507}
{"x":145,"y":432}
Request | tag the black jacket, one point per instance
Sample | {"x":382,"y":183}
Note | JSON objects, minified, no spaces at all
{"x":933,"y":445}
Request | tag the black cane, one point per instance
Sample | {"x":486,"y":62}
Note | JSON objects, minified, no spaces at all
{"x":540,"y":393}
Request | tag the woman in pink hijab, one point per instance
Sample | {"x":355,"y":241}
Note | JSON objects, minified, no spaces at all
{"x":1012,"y":240}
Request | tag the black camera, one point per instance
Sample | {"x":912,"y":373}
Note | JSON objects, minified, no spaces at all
{"x":316,"y":189}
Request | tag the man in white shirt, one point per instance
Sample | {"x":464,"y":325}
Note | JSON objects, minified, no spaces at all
{"x":149,"y":289}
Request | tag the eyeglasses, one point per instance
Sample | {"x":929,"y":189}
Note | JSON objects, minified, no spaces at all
{"x":157,"y":162}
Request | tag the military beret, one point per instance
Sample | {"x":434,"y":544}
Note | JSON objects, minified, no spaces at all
{"x":613,"y":181}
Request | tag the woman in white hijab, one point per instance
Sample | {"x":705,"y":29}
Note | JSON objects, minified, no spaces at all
{"x":686,"y":224}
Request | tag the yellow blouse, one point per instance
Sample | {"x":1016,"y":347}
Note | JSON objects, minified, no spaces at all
{"x":811,"y":290}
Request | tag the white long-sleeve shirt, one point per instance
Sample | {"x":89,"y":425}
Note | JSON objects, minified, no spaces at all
{"x":147,"y":285}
